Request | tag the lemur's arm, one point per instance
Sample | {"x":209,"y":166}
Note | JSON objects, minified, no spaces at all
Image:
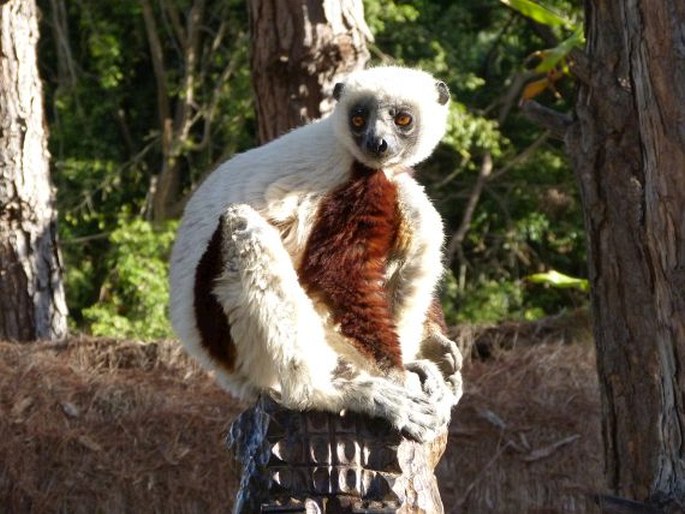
{"x":416,"y":263}
{"x":413,"y":285}
{"x":275,"y":327}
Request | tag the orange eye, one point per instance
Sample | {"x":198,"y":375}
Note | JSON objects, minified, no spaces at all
{"x":358,"y":121}
{"x":403,"y":119}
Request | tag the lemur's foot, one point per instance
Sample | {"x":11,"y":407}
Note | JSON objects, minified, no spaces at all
{"x":253,"y":247}
{"x":248,"y":230}
{"x":411,"y":412}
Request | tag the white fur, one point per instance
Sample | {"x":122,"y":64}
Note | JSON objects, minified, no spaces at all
{"x":268,"y":198}
{"x":421,"y":268}
{"x":280,"y":181}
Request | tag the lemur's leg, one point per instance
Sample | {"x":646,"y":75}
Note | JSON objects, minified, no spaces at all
{"x":441,"y":350}
{"x":280,"y":338}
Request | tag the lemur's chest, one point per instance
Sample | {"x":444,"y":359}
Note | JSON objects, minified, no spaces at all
{"x":345,"y":260}
{"x":363,"y":209}
{"x":355,"y":227}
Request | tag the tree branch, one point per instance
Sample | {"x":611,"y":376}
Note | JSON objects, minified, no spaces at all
{"x":457,"y":239}
{"x":521,"y":157}
{"x":514,"y":92}
{"x":158,"y":67}
{"x":555,"y":122}
{"x":210,"y":110}
{"x":183,"y":120}
{"x":66,"y":66}
{"x":171,"y":10}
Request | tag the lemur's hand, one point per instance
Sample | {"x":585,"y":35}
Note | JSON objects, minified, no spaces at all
{"x":446,"y":355}
{"x":433,"y":383}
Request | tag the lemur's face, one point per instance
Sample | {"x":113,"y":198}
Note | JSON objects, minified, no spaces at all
{"x":385,"y":132}
{"x":390,"y":117}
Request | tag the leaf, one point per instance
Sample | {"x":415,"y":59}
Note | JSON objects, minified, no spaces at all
{"x":492,"y":418}
{"x":546,"y":451}
{"x":552,"y":56}
{"x":20,"y":408}
{"x":70,"y":409}
{"x":556,"y":279}
{"x":538,"y":13}
{"x":534,"y":88}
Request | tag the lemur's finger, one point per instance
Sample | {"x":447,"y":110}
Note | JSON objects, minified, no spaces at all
{"x":433,"y":383}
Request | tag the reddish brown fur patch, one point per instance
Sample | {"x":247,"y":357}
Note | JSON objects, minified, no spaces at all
{"x":212,"y":322}
{"x":345,"y":258}
{"x":436,"y":315}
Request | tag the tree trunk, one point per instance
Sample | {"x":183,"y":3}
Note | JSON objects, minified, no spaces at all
{"x":32,"y":302}
{"x":300,"y":49}
{"x":628,"y":148}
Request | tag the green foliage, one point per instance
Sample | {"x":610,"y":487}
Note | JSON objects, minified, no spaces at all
{"x":528,"y":218}
{"x":554,"y":56}
{"x":556,"y":279}
{"x":490,"y":301}
{"x":539,"y":13}
{"x":470,"y":135}
{"x":105,"y":140}
{"x":135,"y":293}
{"x":553,"y":62}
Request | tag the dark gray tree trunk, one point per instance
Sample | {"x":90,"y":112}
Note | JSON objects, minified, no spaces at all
{"x":628,"y":148}
{"x":32,"y":302}
{"x":300,"y":48}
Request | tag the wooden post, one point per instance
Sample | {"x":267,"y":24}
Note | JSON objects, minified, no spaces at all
{"x":317,"y":462}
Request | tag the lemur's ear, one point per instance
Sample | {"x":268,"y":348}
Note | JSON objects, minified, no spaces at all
{"x":443,"y":92}
{"x":337,"y":90}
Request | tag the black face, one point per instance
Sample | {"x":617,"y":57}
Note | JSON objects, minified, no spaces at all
{"x":384,"y":132}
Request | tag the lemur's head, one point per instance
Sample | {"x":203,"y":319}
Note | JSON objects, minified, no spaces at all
{"x":390,"y":116}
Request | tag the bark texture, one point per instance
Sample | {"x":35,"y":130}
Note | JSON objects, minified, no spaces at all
{"x":628,"y":147}
{"x":300,"y":49}
{"x":32,"y":302}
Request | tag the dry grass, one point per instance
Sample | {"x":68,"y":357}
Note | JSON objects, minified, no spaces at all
{"x":526,"y":437}
{"x":115,"y":426}
{"x":105,"y":426}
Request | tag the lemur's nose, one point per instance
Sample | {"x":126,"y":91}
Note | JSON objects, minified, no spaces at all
{"x":377,"y":145}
